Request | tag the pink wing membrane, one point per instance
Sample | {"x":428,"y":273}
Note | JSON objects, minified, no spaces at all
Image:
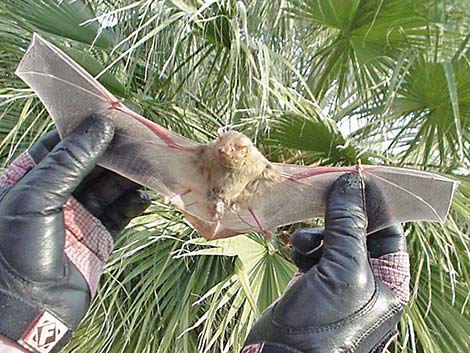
{"x":141,"y":150}
{"x":168,"y":163}
{"x":393,"y":195}
{"x":61,"y":84}
{"x":396,"y":195}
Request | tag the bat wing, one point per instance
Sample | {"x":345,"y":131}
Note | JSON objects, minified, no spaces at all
{"x":169,"y":163}
{"x":141,"y":150}
{"x":393,"y":195}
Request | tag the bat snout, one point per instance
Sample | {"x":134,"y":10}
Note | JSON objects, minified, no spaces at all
{"x":223,"y":151}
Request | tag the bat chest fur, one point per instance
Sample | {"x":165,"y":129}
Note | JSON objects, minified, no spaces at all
{"x":226,"y":189}
{"x":230,"y":183}
{"x":232,"y":189}
{"x":231,"y":186}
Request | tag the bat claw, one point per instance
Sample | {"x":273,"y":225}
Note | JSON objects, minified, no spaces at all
{"x":114,"y":104}
{"x":178,"y":198}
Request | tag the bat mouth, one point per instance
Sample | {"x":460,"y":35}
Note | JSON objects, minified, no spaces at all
{"x":222,"y":151}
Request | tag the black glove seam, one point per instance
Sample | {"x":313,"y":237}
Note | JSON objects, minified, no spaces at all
{"x":285,"y":348}
{"x":393,"y":310}
{"x":389,"y":335}
{"x":396,"y":308}
{"x":331,"y":326}
{"x":44,"y":213}
{"x":4,"y":192}
{"x":364,"y":203}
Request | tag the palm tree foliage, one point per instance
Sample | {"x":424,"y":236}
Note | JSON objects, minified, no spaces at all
{"x":316,"y":81}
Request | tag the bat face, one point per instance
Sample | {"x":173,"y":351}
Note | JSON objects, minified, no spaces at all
{"x":232,"y":148}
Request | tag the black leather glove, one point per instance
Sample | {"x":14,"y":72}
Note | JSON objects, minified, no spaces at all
{"x":53,"y":248}
{"x":341,"y":303}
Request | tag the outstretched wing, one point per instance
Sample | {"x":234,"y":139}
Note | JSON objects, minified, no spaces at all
{"x":393,"y":195}
{"x":141,"y":150}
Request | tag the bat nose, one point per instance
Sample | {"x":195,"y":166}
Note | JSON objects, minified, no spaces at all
{"x":222,"y":150}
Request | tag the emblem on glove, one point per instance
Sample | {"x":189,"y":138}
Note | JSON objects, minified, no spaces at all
{"x":45,"y":333}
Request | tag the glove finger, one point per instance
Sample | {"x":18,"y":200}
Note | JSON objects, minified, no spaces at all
{"x":307,"y":240}
{"x":119,"y":213}
{"x":386,"y":241}
{"x":98,"y":194}
{"x":345,"y":227}
{"x":39,"y":150}
{"x":89,"y":179}
{"x":48,"y":186}
{"x":46,"y":144}
{"x":307,"y":247}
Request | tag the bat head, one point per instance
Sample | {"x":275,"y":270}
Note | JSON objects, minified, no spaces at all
{"x":232,"y":148}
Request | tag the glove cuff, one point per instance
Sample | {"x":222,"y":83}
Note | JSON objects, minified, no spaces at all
{"x":34,"y":328}
{"x":87,"y":242}
{"x":394,"y":270}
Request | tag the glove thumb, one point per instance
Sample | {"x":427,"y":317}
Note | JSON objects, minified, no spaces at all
{"x":50,"y":184}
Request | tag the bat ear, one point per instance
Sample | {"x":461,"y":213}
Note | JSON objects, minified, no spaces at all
{"x":223,"y":130}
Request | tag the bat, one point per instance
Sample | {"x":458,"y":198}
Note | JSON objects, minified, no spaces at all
{"x":234,"y":171}
{"x":225,"y":187}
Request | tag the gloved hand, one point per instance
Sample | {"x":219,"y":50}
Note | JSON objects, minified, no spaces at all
{"x":343,"y":302}
{"x":53,"y":247}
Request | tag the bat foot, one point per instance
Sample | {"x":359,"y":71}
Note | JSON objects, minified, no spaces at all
{"x":178,"y":198}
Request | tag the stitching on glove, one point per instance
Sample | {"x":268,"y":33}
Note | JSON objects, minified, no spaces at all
{"x":382,"y":346}
{"x":395,"y":308}
{"x":332,"y":326}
